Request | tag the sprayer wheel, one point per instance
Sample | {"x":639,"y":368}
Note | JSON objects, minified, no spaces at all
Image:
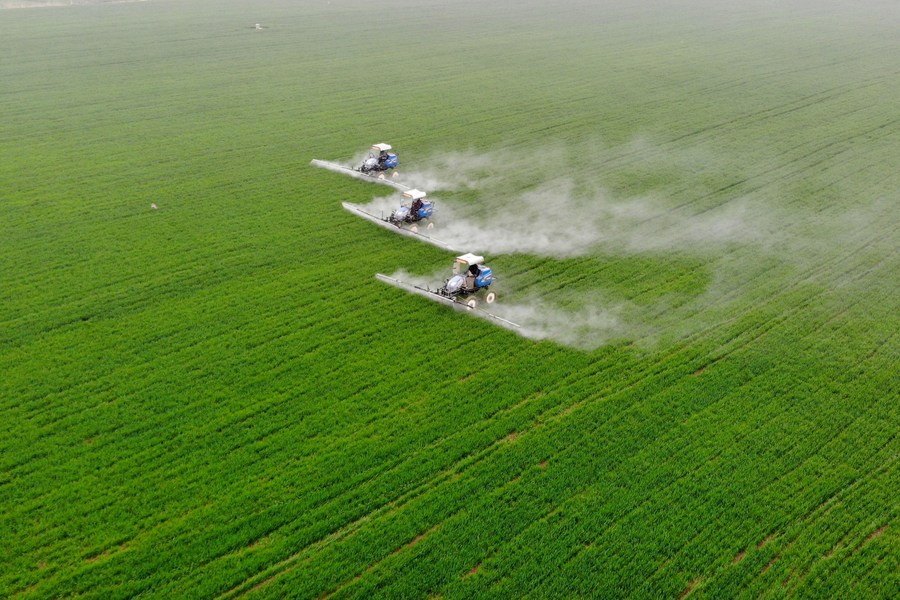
{"x":471,"y":303}
{"x":414,"y":228}
{"x":490,"y":297}
{"x":430,"y":226}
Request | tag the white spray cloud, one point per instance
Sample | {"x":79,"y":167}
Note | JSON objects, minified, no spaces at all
{"x":587,"y":327}
{"x":459,"y":171}
{"x":522,"y":205}
{"x":554,"y":221}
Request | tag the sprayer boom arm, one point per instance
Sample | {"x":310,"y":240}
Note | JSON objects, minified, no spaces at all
{"x":433,"y":295}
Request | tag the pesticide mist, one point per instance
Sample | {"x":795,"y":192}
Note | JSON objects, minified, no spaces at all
{"x":498,"y":204}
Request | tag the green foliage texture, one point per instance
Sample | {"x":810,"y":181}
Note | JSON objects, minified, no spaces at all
{"x":216,"y":399}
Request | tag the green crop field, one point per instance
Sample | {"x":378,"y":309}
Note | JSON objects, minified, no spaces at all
{"x":692,"y":207}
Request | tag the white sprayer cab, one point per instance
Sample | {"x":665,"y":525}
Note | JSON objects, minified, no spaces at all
{"x":414,"y":195}
{"x":381,"y":147}
{"x":463,"y":262}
